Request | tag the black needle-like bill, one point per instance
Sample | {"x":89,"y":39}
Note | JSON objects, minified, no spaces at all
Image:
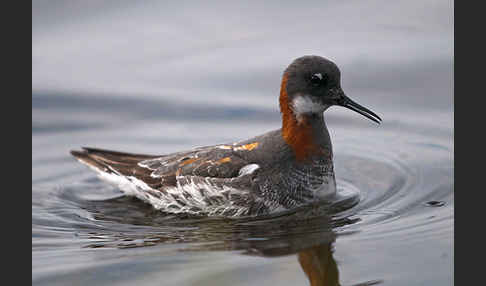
{"x":348,"y":103}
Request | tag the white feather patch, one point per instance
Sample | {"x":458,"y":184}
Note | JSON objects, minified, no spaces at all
{"x":248,"y":169}
{"x":303,"y":104}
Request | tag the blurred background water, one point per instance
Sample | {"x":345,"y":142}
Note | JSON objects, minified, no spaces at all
{"x":157,"y":77}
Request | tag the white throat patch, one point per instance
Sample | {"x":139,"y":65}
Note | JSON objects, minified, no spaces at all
{"x":303,"y":104}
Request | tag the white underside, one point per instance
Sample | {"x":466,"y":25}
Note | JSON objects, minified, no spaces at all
{"x":190,"y":200}
{"x":189,"y":195}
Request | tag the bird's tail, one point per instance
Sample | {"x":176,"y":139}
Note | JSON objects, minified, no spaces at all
{"x":106,"y":160}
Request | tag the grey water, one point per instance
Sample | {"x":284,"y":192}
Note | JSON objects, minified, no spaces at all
{"x":157,"y":77}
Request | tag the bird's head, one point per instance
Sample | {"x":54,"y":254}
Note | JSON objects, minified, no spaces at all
{"x":311,"y":84}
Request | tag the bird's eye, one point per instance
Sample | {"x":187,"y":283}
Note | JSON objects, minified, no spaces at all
{"x":318,"y":79}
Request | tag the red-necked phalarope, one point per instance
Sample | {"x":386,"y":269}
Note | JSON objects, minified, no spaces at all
{"x":276,"y":171}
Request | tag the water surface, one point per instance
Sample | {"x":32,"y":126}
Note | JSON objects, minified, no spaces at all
{"x":156,"y":79}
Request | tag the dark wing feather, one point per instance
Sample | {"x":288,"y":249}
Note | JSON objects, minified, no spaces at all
{"x":160,"y":171}
{"x":118,"y":162}
{"x":204,"y":162}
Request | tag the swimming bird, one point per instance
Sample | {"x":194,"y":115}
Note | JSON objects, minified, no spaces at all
{"x":277,"y":171}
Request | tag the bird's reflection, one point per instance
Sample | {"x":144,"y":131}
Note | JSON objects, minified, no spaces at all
{"x":307,"y":233}
{"x":319,"y":265}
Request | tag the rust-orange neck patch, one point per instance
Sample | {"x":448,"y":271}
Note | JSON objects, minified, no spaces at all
{"x":296,"y":132}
